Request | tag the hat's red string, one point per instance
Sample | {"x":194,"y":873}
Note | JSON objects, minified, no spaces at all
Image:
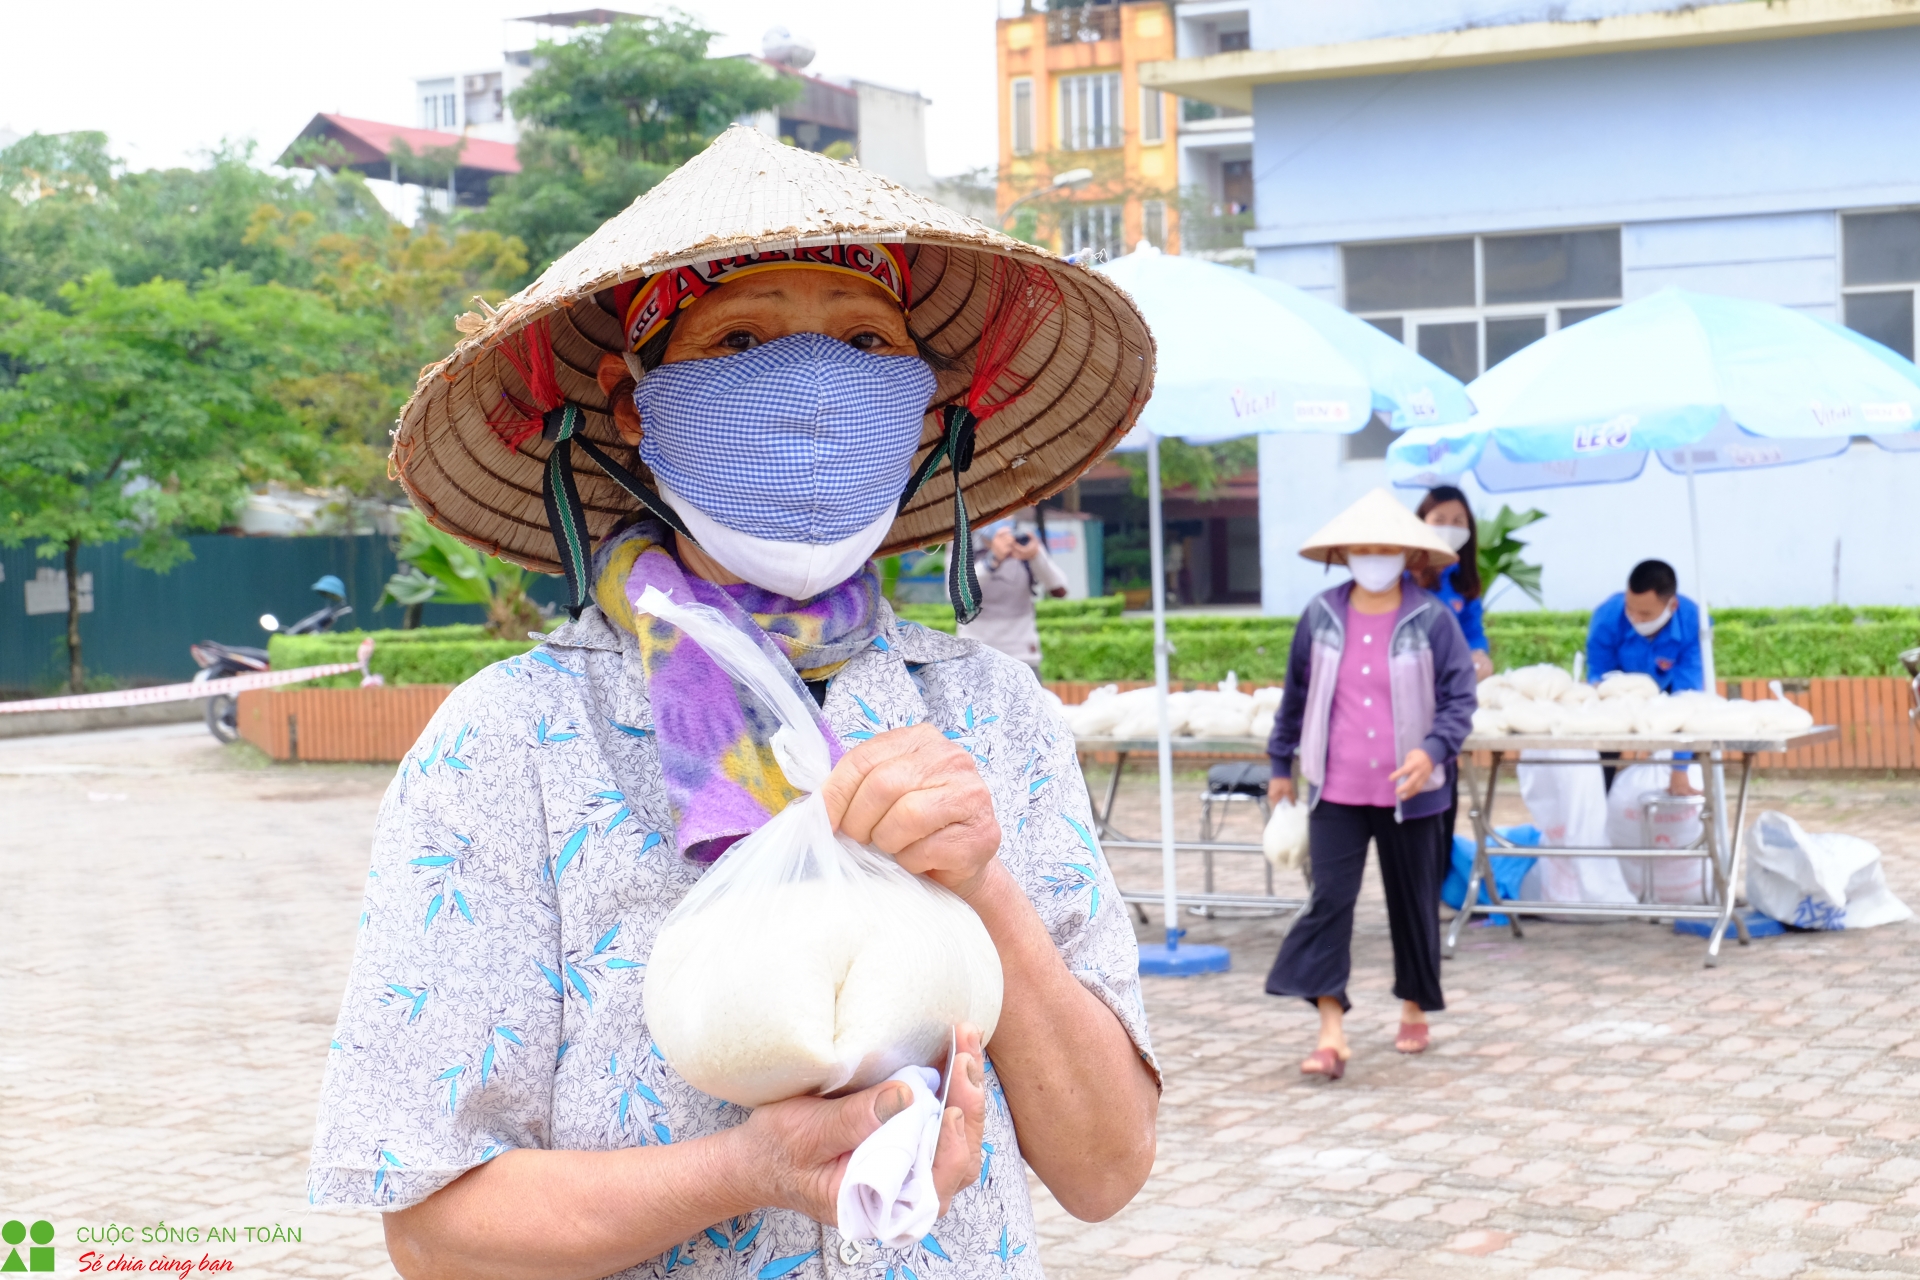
{"x":1020,"y":298}
{"x":530,"y":352}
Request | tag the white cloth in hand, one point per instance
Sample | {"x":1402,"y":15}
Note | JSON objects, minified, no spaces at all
{"x":887,"y":1193}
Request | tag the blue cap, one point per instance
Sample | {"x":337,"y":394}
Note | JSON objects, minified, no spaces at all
{"x":331,"y":585}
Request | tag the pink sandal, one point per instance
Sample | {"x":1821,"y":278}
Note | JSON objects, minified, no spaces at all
{"x":1324,"y":1062}
{"x":1417,"y":1034}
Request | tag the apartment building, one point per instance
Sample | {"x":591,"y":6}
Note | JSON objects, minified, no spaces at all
{"x":1071,"y":104}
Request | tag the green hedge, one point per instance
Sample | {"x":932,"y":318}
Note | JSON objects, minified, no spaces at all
{"x":429,"y":655}
{"x":1788,"y":643}
{"x":1089,"y":640}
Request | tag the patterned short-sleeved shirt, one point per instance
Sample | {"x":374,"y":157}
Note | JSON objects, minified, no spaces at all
{"x":523,"y":862}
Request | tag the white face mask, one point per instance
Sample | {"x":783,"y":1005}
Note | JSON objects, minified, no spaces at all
{"x":797,"y":570}
{"x":1454,"y":535}
{"x":1649,"y":629}
{"x":1377,"y":573}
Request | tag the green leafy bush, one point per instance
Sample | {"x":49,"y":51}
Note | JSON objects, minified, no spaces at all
{"x":1089,"y":640}
{"x":429,"y":655}
{"x":1784,"y":643}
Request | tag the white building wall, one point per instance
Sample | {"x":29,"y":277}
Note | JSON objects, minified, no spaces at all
{"x":893,"y":135}
{"x":1789,"y":258}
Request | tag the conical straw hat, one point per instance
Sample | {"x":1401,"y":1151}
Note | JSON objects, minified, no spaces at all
{"x":1087,"y":371}
{"x":1377,"y":519}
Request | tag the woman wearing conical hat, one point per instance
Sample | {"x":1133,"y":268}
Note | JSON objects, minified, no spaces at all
{"x":768,"y":370}
{"x":1379,"y":697}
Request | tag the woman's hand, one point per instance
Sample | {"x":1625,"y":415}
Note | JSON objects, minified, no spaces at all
{"x":1412,"y":774}
{"x":793,"y":1154}
{"x":570,"y":1215}
{"x":1482,"y":664}
{"x":1279,"y":789}
{"x":917,"y":796}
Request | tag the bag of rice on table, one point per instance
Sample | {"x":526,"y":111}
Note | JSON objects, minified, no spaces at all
{"x":804,"y":963}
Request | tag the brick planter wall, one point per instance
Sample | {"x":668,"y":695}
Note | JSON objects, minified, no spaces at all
{"x":1870,"y":712}
{"x":376,"y":725}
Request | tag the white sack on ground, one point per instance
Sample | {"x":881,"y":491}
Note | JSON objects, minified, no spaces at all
{"x":1824,"y":881}
{"x":1636,"y":819}
{"x":804,"y":963}
{"x":1569,"y":805}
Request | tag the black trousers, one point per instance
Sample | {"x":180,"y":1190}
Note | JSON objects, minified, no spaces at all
{"x":1317,"y":955}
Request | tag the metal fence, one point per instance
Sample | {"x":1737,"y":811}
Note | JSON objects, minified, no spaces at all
{"x":142,"y":622}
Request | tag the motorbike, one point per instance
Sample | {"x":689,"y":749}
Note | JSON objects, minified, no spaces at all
{"x":218,"y":661}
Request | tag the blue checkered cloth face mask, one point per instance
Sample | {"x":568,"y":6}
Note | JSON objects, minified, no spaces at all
{"x":787,"y":460}
{"x":804,"y":439}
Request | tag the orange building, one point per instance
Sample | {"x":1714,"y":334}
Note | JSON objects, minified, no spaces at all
{"x":1071,"y":100}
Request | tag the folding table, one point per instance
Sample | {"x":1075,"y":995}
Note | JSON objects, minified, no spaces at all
{"x":1724,"y":862}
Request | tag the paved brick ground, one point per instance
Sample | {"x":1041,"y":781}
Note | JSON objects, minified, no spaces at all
{"x":1597,"y":1103}
{"x":175,"y":931}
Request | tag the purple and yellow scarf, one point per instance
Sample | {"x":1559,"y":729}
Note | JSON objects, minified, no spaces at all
{"x":722,"y":780}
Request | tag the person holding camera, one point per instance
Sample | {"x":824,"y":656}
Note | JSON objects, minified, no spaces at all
{"x":1013,"y":569}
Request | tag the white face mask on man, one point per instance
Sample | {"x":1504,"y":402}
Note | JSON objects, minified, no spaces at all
{"x":1377,"y":573}
{"x":1650,"y":629}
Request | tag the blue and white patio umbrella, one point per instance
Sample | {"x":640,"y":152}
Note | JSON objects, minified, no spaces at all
{"x":1240,"y":355}
{"x":1704,"y":382}
{"x":1237,"y":355}
{"x":1707,"y":383}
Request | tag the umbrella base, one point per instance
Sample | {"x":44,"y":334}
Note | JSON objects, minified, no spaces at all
{"x":1161,"y":961}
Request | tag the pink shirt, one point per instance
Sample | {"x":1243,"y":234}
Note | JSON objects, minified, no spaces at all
{"x":1360,"y":728}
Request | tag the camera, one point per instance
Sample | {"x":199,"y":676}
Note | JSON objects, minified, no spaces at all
{"x":1024,"y":539}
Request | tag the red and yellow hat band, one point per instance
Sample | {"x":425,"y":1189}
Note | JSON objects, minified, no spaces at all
{"x":662,"y":295}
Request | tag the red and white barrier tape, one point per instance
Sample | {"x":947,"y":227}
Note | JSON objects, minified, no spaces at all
{"x":190,"y":690}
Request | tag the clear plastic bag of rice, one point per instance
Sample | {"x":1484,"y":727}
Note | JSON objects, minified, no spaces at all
{"x":802,"y":962}
{"x":1285,"y":839}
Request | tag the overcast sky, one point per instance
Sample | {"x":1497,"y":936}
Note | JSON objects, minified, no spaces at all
{"x":169,"y":79}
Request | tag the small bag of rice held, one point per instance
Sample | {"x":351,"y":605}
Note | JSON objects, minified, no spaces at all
{"x":804,"y":963}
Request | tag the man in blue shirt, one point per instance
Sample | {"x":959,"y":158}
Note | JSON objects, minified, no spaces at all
{"x":1653,"y":629}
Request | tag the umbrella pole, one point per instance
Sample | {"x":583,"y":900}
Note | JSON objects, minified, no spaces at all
{"x":1716,"y":770}
{"x":1170,"y":958}
{"x":1157,"y":556}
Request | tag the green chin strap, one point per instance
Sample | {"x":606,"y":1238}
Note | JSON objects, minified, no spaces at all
{"x":956,"y":448}
{"x":567,"y":518}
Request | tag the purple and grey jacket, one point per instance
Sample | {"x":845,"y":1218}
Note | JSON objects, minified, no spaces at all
{"x":1430,"y":672}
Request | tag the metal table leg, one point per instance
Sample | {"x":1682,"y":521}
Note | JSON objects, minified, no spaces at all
{"x":1480,"y":813}
{"x":1727,"y":875}
{"x":1103,"y":818}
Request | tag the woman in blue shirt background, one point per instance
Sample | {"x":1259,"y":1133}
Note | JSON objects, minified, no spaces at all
{"x":1458,"y":586}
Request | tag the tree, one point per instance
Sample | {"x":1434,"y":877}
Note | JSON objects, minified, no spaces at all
{"x":149,"y":411}
{"x":407,"y":286}
{"x":1200,"y":467}
{"x":609,"y":114}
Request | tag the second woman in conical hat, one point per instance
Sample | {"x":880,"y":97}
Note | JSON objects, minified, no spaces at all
{"x":1379,"y":697}
{"x":768,"y":369}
